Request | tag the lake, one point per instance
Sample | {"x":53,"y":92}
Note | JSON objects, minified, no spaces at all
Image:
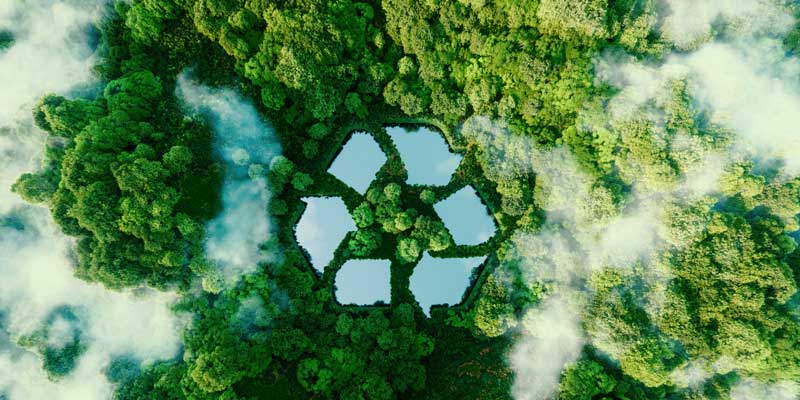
{"x":442,"y":280}
{"x":425,"y":153}
{"x":321,"y":228}
{"x":358,"y":162}
{"x":363,"y":282}
{"x":466,"y":217}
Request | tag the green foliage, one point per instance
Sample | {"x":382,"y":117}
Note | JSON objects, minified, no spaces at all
{"x":363,"y":215}
{"x":427,"y":196}
{"x":38,"y":187}
{"x":573,"y":19}
{"x":6,"y":40}
{"x":584,"y":380}
{"x":130,"y":175}
{"x":364,"y":242}
{"x":318,"y":131}
{"x":301,"y":181}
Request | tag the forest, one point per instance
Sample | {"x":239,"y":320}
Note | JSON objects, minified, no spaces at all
{"x":636,"y":157}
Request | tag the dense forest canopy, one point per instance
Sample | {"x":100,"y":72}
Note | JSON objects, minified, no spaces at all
{"x":637,"y":156}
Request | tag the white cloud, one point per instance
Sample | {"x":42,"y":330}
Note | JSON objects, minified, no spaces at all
{"x":690,"y":22}
{"x":552,"y":338}
{"x":752,"y":90}
{"x":748,"y":389}
{"x":51,"y":52}
{"x":241,"y":139}
{"x":38,"y":279}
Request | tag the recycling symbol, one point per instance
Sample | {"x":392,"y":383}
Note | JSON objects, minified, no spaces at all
{"x":397,"y":221}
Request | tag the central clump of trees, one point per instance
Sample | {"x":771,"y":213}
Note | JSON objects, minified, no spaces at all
{"x":134,"y":180}
{"x":383,"y":212}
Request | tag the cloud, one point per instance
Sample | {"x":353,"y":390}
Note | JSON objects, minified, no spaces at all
{"x":690,"y":23}
{"x":745,"y":82}
{"x":552,"y":338}
{"x":753,"y":90}
{"x":242,"y":139}
{"x":37,"y":280}
{"x":51,"y":53}
{"x":748,"y":389}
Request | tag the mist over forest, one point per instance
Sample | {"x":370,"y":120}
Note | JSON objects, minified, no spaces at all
{"x":166,"y":168}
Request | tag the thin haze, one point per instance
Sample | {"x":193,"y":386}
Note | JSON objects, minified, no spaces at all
{"x":51,"y":54}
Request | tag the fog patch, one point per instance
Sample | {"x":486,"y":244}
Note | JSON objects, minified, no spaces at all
{"x":690,"y":23}
{"x":745,"y":89}
{"x":235,"y":237}
{"x":745,"y":82}
{"x":586,"y":230}
{"x":38,"y":280}
{"x":766,"y":118}
{"x":46,"y":50}
{"x":552,"y":338}
{"x":50,"y":51}
{"x":749,"y":389}
{"x":253,"y":314}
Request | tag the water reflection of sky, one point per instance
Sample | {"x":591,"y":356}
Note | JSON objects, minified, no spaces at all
{"x":428,"y":161}
{"x":442,"y":280}
{"x":466,"y":217}
{"x":322,"y":227}
{"x":358,"y":162}
{"x":363,"y":282}
{"x":425,"y":154}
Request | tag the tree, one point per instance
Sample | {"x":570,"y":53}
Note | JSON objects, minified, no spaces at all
{"x":6,"y":39}
{"x":408,"y":249}
{"x":301,"y":181}
{"x":36,"y":188}
{"x":177,"y":159}
{"x":364,"y":242}
{"x":363,"y":215}
{"x":569,"y":19}
{"x":584,"y":380}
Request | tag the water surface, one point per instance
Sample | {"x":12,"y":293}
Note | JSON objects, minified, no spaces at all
{"x":358,"y":162}
{"x":322,"y":227}
{"x":363,"y":282}
{"x":466,"y":217}
{"x":442,"y":280}
{"x":425,"y":154}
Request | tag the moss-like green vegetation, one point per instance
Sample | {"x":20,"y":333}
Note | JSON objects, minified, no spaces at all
{"x":511,"y":86}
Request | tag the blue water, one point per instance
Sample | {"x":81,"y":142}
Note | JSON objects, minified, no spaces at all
{"x":322,"y":227}
{"x":442,"y":280}
{"x":427,"y":158}
{"x":358,"y":162}
{"x":363,"y":282}
{"x":466,"y":217}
